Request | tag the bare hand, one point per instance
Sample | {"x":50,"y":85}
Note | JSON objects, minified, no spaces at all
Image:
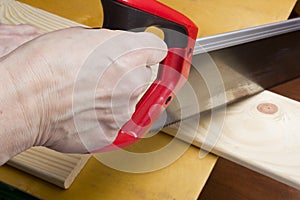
{"x":71,"y":90}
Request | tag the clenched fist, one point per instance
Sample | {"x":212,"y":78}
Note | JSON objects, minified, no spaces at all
{"x":71,"y":90}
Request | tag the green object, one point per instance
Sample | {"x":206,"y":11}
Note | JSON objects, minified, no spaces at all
{"x":8,"y":192}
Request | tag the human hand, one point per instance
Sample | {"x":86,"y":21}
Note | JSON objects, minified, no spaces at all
{"x":13,"y":36}
{"x":71,"y":90}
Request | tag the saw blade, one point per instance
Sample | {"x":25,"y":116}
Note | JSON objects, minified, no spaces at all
{"x":232,"y":66}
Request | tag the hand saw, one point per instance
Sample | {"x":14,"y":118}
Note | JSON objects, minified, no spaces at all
{"x":179,"y":34}
{"x":225,"y":67}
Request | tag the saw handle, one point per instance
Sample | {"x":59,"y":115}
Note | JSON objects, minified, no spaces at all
{"x":179,"y":34}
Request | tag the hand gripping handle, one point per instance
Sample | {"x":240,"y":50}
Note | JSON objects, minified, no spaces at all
{"x":179,"y":34}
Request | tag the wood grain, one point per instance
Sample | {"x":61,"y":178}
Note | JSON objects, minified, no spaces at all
{"x":260,"y":133}
{"x":14,"y":12}
{"x":232,"y":181}
{"x":54,"y":167}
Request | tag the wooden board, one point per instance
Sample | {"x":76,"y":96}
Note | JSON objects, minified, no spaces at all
{"x":54,"y":167}
{"x":261,"y":133}
{"x":14,"y":12}
{"x":232,"y":181}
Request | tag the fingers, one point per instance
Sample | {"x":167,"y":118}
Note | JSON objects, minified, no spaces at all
{"x":134,"y":49}
{"x":123,"y":54}
{"x":122,"y":42}
{"x":13,"y":36}
{"x":147,"y":48}
{"x":148,"y":45}
{"x":22,"y":29}
{"x":118,"y":56}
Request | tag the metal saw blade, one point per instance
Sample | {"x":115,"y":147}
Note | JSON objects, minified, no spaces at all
{"x":232,"y":66}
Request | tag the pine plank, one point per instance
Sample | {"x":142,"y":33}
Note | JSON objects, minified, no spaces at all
{"x":54,"y":167}
{"x":14,"y":12}
{"x":260,"y":133}
{"x":232,"y":181}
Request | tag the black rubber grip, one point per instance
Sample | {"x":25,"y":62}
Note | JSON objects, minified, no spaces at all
{"x":118,"y":16}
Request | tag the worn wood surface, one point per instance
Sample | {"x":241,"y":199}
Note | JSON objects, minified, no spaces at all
{"x":232,"y":181}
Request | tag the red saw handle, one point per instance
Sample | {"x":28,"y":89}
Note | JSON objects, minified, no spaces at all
{"x":179,"y":34}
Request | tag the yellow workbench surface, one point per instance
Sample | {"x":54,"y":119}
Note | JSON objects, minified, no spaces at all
{"x":184,"y":178}
{"x":211,"y":16}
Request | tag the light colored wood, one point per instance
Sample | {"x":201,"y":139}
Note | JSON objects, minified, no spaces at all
{"x":261,"y":133}
{"x":87,"y":12}
{"x":54,"y":167}
{"x":14,"y":12}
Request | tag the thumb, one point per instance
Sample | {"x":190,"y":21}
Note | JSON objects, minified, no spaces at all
{"x":128,"y":50}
